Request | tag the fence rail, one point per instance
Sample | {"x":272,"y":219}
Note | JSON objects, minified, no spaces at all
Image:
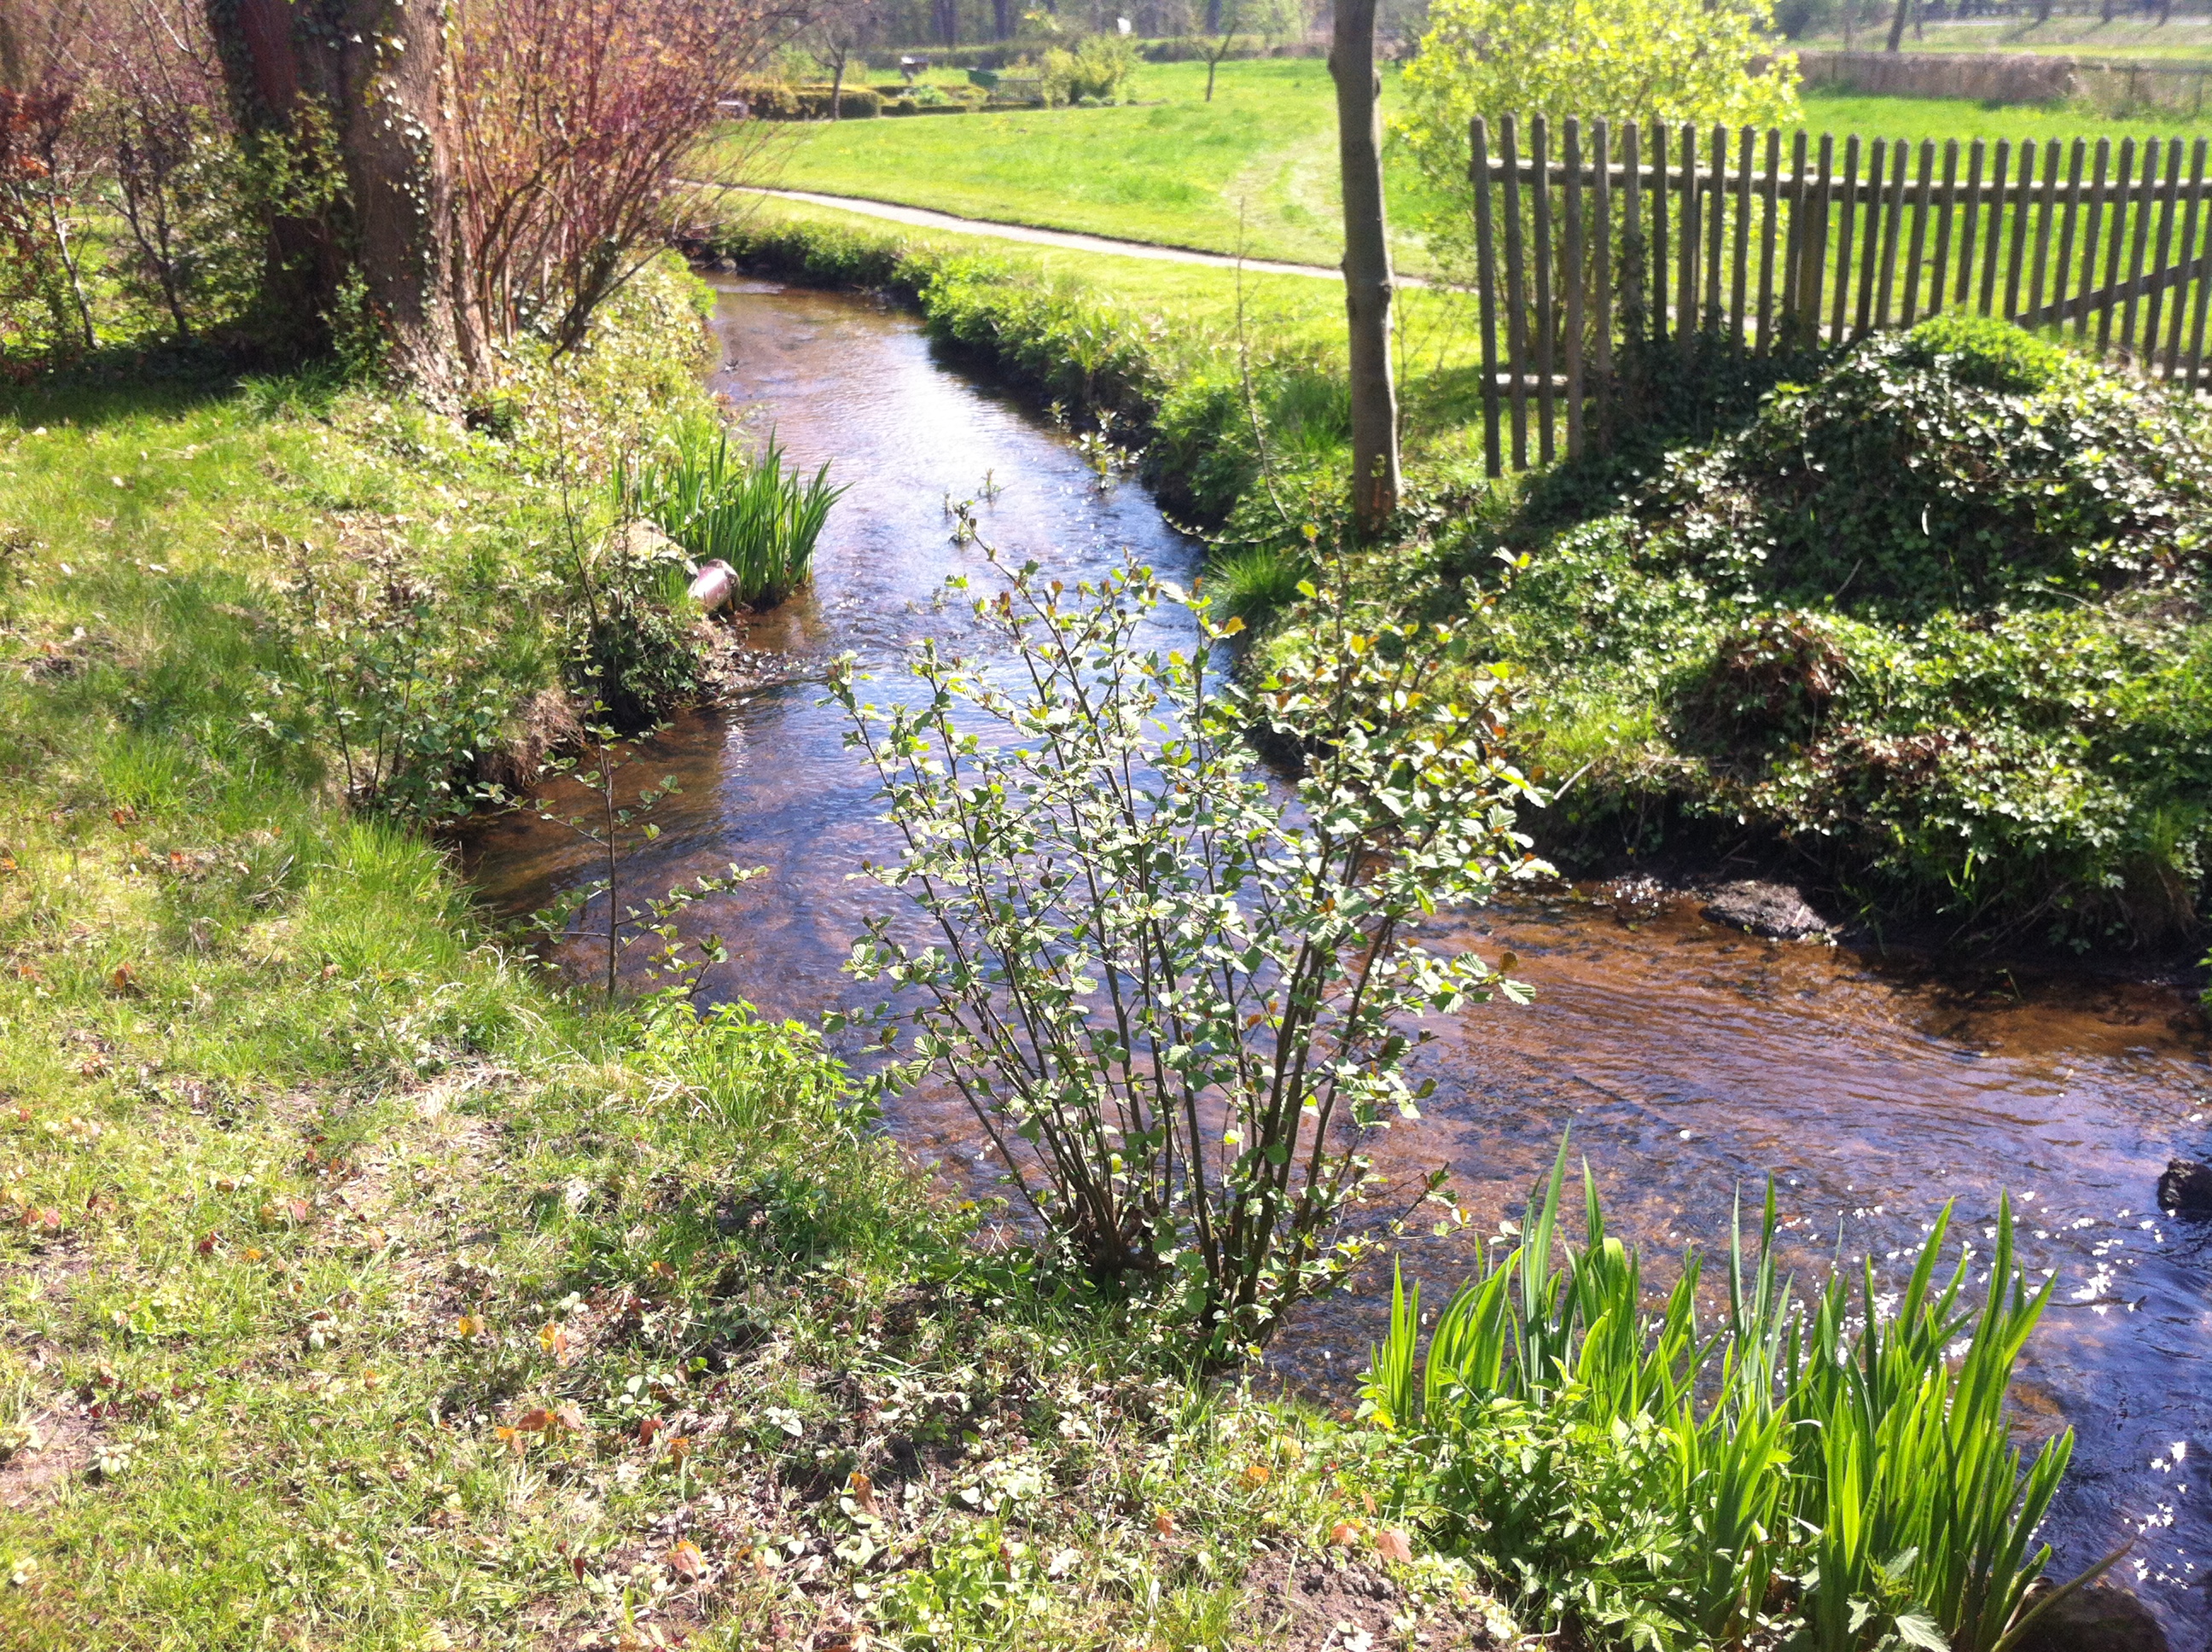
{"x":1657,"y":235}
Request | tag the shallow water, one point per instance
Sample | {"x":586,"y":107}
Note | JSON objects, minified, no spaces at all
{"x":1690,"y":1060}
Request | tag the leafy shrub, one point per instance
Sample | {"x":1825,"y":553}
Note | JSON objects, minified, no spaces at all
{"x":1817,"y":1468}
{"x":1172,"y":1001}
{"x":632,"y":634}
{"x":1932,"y":619}
{"x":1096,"y":69}
{"x":388,"y":678}
{"x":1960,"y":465}
{"x":755,"y":515}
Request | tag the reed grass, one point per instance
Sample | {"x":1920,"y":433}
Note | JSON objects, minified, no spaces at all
{"x":1832,"y":1465}
{"x":756,"y":515}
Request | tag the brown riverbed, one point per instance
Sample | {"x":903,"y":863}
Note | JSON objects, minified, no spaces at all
{"x":1691,"y":1060}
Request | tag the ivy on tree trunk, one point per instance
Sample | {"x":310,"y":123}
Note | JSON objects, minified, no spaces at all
{"x":362,"y":77}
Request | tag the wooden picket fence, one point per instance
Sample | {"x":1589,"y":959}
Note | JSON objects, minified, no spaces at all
{"x":1660,"y":236}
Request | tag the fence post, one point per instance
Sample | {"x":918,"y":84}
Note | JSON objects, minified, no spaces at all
{"x":1993,"y":242}
{"x":1656,"y":292}
{"x":1574,"y":260}
{"x":1713,"y":317}
{"x":2047,"y":209}
{"x":1964,"y":296}
{"x":2021,"y":210}
{"x":1685,"y":279}
{"x":1846,"y":224}
{"x":2189,"y":257}
{"x":2150,"y":357}
{"x":1771,"y":203}
{"x":1602,"y":273}
{"x":1516,"y":297}
{"x":2125,"y":183}
{"x":2062,"y":276}
{"x":2092,"y":227}
{"x":1870,"y":244}
{"x":1486,"y":286}
{"x":1633,"y":321}
{"x":1539,"y":162}
{"x":2136,"y":242}
{"x":1938,"y":282}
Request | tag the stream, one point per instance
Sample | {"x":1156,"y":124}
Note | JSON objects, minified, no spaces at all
{"x":1691,"y":1060}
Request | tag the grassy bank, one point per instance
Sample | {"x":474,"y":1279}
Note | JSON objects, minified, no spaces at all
{"x":363,"y":1287}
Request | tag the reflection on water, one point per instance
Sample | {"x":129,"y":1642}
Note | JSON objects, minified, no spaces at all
{"x":1690,"y":1060}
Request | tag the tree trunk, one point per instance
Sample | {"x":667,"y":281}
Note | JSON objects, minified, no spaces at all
{"x":375,"y":67}
{"x":1367,"y":285}
{"x":948,"y":21}
{"x":1897,"y":25}
{"x":399,"y":171}
{"x":837,"y":85}
{"x":1003,"y":17}
{"x":302,"y":267}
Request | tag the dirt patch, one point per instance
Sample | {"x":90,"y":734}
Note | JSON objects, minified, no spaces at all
{"x":66,"y":1437}
{"x":1324,"y":1604}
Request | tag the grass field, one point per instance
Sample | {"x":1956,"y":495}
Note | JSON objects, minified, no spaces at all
{"x":1253,"y":171}
{"x":1257,"y":165}
{"x":2182,"y":37}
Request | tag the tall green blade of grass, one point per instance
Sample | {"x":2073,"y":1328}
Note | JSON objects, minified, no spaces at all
{"x":1870,"y":1474}
{"x":759,"y":517}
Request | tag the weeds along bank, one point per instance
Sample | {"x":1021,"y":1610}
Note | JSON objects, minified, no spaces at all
{"x":360,"y":1289}
{"x":1923,"y":628}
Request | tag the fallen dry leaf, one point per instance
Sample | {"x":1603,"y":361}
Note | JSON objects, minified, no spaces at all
{"x":647,"y":1428}
{"x":539,"y":1421}
{"x":1344,"y":1534}
{"x":554,"y":1339}
{"x":863,"y":1493}
{"x":1393,"y":1545}
{"x":570,"y":1415}
{"x":685,"y":1560}
{"x":1255,"y":1474}
{"x":207,"y":1244}
{"x":1164,"y":1523}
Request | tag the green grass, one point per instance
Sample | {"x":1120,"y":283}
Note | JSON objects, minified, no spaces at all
{"x":1965,"y":119}
{"x":2081,"y":36}
{"x":360,"y":1288}
{"x":1254,"y":170}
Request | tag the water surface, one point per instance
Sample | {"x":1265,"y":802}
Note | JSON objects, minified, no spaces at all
{"x":1690,"y":1060}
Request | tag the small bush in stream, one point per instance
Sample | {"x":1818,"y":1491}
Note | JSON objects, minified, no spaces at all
{"x":1834,"y":1472}
{"x":1176,"y":1004}
{"x":755,"y":515}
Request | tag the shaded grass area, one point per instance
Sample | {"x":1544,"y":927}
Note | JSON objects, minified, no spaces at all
{"x":360,"y":1288}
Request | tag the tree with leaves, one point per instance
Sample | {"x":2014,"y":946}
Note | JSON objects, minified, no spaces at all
{"x":1688,"y":61}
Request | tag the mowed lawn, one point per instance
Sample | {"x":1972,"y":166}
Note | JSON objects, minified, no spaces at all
{"x":1254,"y":170}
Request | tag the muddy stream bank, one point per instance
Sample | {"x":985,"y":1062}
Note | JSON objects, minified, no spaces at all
{"x":1691,"y":1059}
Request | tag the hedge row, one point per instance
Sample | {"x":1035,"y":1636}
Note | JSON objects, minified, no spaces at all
{"x":1185,"y":48}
